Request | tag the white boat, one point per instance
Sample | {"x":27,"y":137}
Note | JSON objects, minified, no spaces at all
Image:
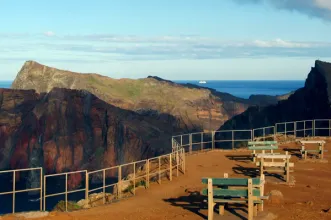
{"x":202,"y":82}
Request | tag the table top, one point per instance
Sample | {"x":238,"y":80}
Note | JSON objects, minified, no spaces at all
{"x":312,"y":142}
{"x":273,"y":156}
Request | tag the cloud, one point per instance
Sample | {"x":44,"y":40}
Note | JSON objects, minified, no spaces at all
{"x":314,"y":8}
{"x":49,"y":33}
{"x":105,"y":48}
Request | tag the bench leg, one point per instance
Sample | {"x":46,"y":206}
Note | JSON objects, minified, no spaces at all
{"x":221,"y":209}
{"x":250,"y":200}
{"x":210,"y":200}
{"x":255,"y":210}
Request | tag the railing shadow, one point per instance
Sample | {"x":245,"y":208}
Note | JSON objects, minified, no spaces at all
{"x":193,"y":202}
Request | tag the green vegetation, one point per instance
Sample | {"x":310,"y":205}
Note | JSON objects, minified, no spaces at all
{"x":61,"y":206}
{"x":130,"y":188}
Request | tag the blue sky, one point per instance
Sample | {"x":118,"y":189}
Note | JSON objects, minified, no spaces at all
{"x":196,"y":39}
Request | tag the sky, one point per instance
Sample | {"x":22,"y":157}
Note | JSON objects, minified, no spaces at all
{"x":172,"y":39}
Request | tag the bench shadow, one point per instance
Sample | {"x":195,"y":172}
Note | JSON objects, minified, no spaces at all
{"x":234,"y":208}
{"x":255,"y":172}
{"x":246,"y":171}
{"x":240,"y":158}
{"x":293,"y":152}
{"x":193,"y":202}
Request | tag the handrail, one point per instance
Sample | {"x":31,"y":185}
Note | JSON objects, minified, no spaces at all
{"x":302,"y":128}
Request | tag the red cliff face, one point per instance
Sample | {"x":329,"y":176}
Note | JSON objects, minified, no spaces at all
{"x":66,"y":130}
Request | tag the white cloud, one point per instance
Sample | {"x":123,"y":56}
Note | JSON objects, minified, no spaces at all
{"x":284,"y":44}
{"x":49,"y":33}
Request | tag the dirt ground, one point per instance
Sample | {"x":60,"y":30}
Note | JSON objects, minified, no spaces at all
{"x":309,"y":198}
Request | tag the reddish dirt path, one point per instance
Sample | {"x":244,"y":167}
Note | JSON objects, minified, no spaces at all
{"x":307,"y":199}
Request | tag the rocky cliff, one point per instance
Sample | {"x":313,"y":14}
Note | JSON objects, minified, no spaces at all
{"x":195,"y":108}
{"x":310,"y":102}
{"x":67,"y":130}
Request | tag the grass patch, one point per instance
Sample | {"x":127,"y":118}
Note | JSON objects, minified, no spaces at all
{"x":130,"y":188}
{"x":61,"y":206}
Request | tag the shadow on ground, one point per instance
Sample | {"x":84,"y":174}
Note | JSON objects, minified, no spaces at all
{"x":254,"y":172}
{"x":193,"y":202}
{"x":293,"y":152}
{"x":240,"y":158}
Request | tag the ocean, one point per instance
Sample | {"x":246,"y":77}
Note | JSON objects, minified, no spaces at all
{"x":239,"y":88}
{"x":245,"y":88}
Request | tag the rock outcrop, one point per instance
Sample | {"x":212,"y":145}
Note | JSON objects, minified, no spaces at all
{"x":310,"y":102}
{"x":67,"y":130}
{"x":195,"y":108}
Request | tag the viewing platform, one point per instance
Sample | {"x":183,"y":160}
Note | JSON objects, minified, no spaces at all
{"x":308,"y":198}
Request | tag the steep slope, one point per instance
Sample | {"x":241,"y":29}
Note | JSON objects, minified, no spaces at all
{"x":310,"y":102}
{"x":195,"y":108}
{"x":66,"y":130}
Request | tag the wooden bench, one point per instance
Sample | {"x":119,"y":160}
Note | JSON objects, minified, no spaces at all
{"x":262,"y":147}
{"x":320,"y":150}
{"x":246,"y":191}
{"x":283,"y":164}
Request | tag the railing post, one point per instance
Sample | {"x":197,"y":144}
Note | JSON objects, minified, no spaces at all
{"x":190,"y":139}
{"x":275,"y":133}
{"x":119,"y":190}
{"x":170,"y":167}
{"x":304,"y":129}
{"x":172,"y":144}
{"x":103,"y":186}
{"x":44,"y":200}
{"x":213,"y":140}
{"x":184,"y":160}
{"x":177,"y":163}
{"x":232,"y":139}
{"x":181,"y":140}
{"x":147,"y":173}
{"x":252,"y":134}
{"x":66,"y":195}
{"x":264,"y":134}
{"x":314,"y":128}
{"x":14,"y":191}
{"x":41,"y":189}
{"x":134,"y":178}
{"x":86,"y":186}
{"x":329,"y":127}
{"x":201,"y":141}
{"x":285,"y":132}
{"x":159,"y":170}
{"x":295,"y":129}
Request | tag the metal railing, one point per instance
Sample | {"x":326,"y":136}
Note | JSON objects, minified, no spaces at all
{"x":66,"y":192}
{"x":14,"y":190}
{"x":164,"y":165}
{"x":232,"y":139}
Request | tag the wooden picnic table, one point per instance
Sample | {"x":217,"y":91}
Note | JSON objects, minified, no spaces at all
{"x":282,"y":166}
{"x":320,"y":150}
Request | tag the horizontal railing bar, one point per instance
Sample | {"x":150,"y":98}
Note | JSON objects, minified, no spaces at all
{"x":21,"y":170}
{"x":56,"y":194}
{"x":68,"y":173}
{"x":78,"y":190}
